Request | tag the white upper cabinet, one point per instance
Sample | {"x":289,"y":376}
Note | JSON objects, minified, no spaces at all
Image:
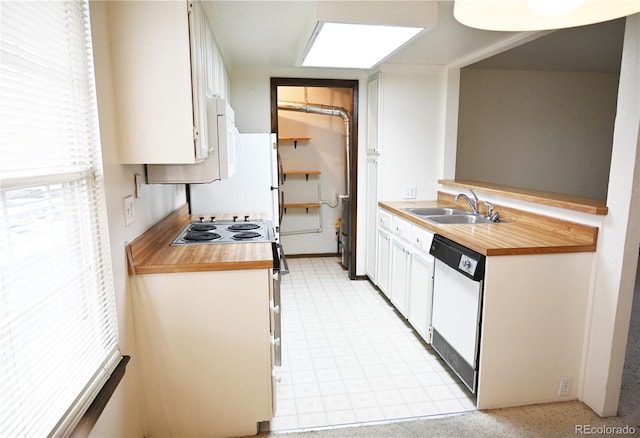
{"x":374,"y":107}
{"x":164,"y":62}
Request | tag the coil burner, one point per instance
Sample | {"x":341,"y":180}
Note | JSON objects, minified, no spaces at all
{"x":200,"y":236}
{"x":226,"y":231}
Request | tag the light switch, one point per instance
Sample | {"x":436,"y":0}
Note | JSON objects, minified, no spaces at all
{"x":129,"y":214}
{"x":409,"y":192}
{"x":139,"y":182}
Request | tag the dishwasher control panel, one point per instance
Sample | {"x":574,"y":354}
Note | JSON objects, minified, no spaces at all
{"x":464,"y":260}
{"x":467,"y":264}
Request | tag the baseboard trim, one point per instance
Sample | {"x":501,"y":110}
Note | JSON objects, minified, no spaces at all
{"x":302,"y":256}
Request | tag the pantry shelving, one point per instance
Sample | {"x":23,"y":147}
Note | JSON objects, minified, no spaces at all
{"x":293,"y":140}
{"x":306,"y":173}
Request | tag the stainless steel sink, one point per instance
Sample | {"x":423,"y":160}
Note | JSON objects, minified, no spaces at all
{"x":460,"y":219}
{"x":446,"y":215}
{"x":433,"y":211}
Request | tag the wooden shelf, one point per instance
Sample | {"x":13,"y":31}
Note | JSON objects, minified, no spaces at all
{"x":306,"y":206}
{"x":295,"y":140}
{"x":306,"y":173}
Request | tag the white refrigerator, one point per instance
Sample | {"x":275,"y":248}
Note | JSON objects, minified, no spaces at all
{"x":252,"y":189}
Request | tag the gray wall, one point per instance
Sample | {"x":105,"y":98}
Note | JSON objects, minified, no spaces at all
{"x":542,"y":130}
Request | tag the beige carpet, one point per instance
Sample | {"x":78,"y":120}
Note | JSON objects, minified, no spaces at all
{"x":550,"y":420}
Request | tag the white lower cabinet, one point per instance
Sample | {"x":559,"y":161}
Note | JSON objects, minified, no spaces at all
{"x":400,"y":263}
{"x":384,"y":261}
{"x":421,"y":293}
{"x":405,"y":269}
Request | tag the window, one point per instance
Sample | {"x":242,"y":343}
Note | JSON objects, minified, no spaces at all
{"x":58,"y":329}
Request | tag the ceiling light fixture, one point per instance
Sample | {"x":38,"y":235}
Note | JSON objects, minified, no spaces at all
{"x":344,"y":45}
{"x":532,"y":15}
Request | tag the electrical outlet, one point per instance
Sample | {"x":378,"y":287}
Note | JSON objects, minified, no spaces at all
{"x":565,"y":386}
{"x":139,"y":182}
{"x":409,"y":192}
{"x":129,"y":214}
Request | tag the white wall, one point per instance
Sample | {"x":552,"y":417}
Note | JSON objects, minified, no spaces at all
{"x":123,"y":415}
{"x":618,"y":243}
{"x":412,"y":131}
{"x":542,"y":130}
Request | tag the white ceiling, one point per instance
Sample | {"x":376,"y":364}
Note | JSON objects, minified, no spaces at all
{"x":255,"y":33}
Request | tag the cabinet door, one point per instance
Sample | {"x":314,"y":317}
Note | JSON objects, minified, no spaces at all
{"x":151,"y":64}
{"x":400,"y":256}
{"x":384,"y":261}
{"x":202,"y":44}
{"x":373,"y":114}
{"x":372,"y":218}
{"x":421,"y":293}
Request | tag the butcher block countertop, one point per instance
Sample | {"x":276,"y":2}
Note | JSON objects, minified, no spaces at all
{"x":151,"y":252}
{"x":570,"y":202}
{"x":522,"y":233}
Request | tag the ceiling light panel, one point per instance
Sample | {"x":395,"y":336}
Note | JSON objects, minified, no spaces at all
{"x":343,"y":45}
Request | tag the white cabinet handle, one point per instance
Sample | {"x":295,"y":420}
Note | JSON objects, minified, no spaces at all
{"x":275,"y":309}
{"x":275,"y":341}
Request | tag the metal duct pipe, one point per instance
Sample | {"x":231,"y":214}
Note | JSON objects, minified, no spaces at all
{"x":329,"y":111}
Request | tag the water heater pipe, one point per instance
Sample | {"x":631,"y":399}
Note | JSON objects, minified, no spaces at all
{"x":329,"y":111}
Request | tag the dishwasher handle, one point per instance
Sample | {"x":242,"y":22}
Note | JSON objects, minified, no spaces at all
{"x":460,"y":258}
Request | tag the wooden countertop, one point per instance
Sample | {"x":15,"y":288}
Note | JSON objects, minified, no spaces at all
{"x":571,"y":202}
{"x":151,"y":252}
{"x":524,"y":233}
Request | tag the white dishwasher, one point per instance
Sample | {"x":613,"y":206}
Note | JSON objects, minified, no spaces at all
{"x":457,"y":302}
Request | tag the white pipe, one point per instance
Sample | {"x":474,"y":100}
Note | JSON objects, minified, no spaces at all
{"x":329,"y":111}
{"x":320,"y":228}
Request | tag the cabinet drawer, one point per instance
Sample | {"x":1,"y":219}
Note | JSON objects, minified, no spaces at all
{"x":421,"y":238}
{"x":401,"y":227}
{"x":384,"y":219}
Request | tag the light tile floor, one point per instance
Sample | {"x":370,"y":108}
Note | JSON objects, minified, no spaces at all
{"x":348,"y":357}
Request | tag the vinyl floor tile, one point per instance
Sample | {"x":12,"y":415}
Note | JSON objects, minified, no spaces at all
{"x":348,"y":356}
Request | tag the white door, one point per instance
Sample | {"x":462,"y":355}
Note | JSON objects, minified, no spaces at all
{"x":372,"y":216}
{"x":384,"y":261}
{"x":421,"y":293}
{"x":400,"y":256}
{"x":275,"y":183}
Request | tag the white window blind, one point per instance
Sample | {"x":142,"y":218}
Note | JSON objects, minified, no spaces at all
{"x":58,"y":329}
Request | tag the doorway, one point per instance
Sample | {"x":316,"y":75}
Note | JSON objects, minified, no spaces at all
{"x":316,"y":124}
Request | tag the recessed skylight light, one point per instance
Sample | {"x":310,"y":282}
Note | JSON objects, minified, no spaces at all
{"x":354,"y":45}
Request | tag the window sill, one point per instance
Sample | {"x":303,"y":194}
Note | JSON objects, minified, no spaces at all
{"x":90,"y":417}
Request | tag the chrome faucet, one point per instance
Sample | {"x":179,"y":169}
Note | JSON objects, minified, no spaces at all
{"x":493,"y":216}
{"x":472,"y":203}
{"x":489,"y":206}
